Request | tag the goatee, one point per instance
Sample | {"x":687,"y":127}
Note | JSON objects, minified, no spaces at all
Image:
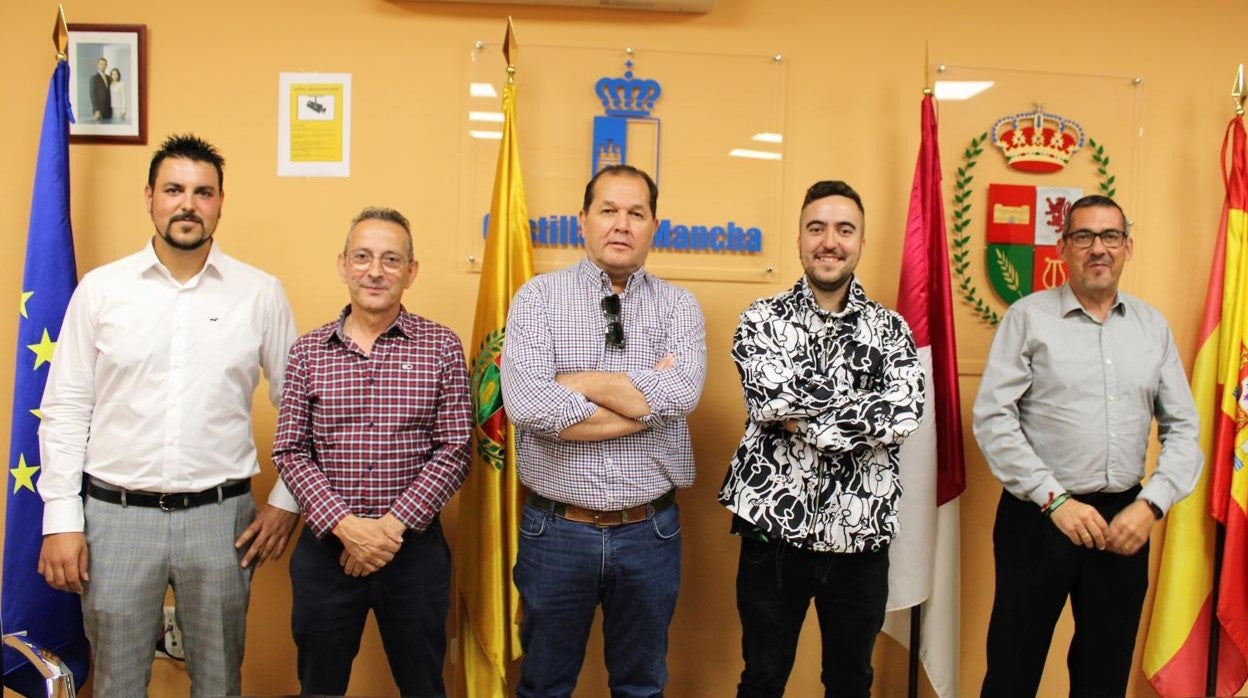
{"x":167,"y":236}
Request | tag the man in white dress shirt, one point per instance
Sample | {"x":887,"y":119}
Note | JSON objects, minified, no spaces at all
{"x":148,"y":405}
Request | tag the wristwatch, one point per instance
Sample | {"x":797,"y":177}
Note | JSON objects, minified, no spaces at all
{"x":1157,"y":512}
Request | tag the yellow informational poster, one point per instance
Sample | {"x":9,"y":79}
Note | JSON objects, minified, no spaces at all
{"x":314,"y":125}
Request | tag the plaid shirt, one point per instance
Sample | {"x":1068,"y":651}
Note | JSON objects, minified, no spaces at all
{"x":368,"y":434}
{"x":555,"y":326}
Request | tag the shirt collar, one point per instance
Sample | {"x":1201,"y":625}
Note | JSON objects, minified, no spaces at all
{"x":215,"y":263}
{"x":855,"y":300}
{"x":595,"y":275}
{"x":1069,"y":303}
{"x":404,"y":324}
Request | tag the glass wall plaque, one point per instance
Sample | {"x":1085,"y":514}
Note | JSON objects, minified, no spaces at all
{"x":1017,"y":148}
{"x":707,"y":127}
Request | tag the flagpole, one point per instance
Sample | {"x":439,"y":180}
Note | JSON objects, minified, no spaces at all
{"x":1215,"y":626}
{"x":916,"y":611}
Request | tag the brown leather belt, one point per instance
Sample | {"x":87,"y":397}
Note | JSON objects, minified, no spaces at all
{"x":602,"y":519}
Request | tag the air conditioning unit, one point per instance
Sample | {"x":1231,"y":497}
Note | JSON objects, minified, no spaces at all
{"x":691,"y":6}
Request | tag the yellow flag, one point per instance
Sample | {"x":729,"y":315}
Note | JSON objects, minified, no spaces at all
{"x":490,"y":500}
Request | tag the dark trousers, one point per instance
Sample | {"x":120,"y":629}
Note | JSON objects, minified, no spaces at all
{"x":410,"y":597}
{"x":775,"y":583}
{"x":1037,"y":569}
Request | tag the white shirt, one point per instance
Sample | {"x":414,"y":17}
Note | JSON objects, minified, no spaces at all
{"x":152,"y":381}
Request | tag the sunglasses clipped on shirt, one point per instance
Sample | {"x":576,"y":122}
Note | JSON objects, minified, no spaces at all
{"x":615,"y":326}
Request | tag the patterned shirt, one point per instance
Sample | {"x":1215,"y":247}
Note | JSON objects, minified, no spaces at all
{"x":853,"y":384}
{"x":367,"y":434}
{"x":1067,"y":402}
{"x":555,"y":326}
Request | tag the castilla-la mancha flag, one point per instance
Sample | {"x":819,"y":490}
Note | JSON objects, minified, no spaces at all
{"x":924,"y":558}
{"x":1177,"y":650}
{"x":488,"y":605}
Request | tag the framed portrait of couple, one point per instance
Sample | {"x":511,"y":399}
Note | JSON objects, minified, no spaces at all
{"x":108,"y":83}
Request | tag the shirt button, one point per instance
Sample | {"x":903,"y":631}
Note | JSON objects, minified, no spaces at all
{"x":371,"y":425}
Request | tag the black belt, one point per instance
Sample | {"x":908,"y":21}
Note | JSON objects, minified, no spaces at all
{"x":603,"y":519}
{"x":168,"y":501}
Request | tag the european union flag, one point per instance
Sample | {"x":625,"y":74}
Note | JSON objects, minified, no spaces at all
{"x":51,"y":618}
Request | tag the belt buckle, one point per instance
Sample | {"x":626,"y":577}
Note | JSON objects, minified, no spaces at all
{"x":161,"y":502}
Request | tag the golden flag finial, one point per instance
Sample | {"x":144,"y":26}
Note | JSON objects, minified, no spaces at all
{"x":1237,"y":91}
{"x":510,"y":50}
{"x":60,"y":35}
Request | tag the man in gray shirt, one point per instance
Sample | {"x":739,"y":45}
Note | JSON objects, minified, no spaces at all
{"x":1074,"y":379}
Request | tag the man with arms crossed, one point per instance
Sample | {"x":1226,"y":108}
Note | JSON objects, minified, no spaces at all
{"x":601,"y":364}
{"x":149,"y":400}
{"x":832,"y":386}
{"x":1074,"y":379}
{"x":373,"y":440}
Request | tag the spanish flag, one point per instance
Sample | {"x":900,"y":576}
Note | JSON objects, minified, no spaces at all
{"x":1176,"y":654}
{"x":489,"y":510}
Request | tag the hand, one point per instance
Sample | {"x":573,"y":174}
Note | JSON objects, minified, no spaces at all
{"x":354,"y":567}
{"x":1131,"y":527}
{"x":271,"y":531}
{"x":666,"y":362}
{"x":1081,"y":523}
{"x":63,"y":561}
{"x":369,"y":541}
{"x":790,"y":425}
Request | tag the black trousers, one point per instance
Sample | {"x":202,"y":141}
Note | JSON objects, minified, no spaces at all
{"x":775,"y":584}
{"x":410,"y":597}
{"x":1037,"y":569}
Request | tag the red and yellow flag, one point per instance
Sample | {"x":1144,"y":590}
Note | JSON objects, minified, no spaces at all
{"x":1176,"y":654}
{"x":488,"y":607}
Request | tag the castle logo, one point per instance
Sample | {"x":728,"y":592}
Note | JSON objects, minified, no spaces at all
{"x":626,"y":133}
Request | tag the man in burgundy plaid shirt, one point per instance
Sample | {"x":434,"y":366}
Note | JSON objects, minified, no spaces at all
{"x":372,"y":439}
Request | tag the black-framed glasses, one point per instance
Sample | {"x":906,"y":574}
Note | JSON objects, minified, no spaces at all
{"x":615,"y":327}
{"x":1082,"y":239}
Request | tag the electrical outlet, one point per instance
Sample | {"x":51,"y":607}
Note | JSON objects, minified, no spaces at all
{"x":169,"y":645}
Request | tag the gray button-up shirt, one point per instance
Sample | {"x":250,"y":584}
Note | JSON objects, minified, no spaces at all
{"x":1066,"y":402}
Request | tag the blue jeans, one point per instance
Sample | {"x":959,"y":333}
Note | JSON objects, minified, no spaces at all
{"x":564,"y":570}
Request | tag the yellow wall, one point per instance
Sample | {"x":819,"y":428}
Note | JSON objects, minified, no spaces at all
{"x":853,"y":90}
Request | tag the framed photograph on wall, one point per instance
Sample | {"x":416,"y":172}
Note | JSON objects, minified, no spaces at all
{"x":108,"y":83}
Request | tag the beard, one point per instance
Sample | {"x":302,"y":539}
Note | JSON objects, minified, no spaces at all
{"x":827,"y":285}
{"x":187,"y":246}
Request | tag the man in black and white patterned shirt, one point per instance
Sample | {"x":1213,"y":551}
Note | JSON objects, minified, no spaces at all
{"x":832,"y":385}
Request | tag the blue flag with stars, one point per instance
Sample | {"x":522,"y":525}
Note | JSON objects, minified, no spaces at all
{"x":51,"y":618}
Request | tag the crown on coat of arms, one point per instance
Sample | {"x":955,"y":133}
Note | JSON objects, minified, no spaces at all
{"x":1036,"y":141}
{"x":627,"y":96}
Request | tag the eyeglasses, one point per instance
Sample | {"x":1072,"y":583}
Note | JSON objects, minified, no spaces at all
{"x":1082,"y":239}
{"x":615,"y":327}
{"x":362,"y":260}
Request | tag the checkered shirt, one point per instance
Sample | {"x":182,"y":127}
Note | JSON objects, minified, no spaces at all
{"x":555,"y":326}
{"x":368,"y":434}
